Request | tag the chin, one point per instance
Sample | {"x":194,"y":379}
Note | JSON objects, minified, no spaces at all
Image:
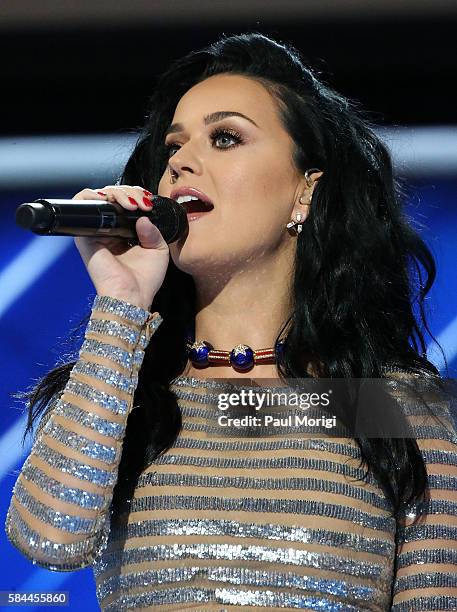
{"x":199,"y":258}
{"x":188,"y":257}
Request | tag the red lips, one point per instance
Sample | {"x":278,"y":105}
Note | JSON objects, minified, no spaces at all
{"x":192,"y":191}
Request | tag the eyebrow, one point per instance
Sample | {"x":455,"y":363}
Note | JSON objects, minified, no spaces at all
{"x":208,"y":119}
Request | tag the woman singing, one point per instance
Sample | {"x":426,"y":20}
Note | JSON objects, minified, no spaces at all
{"x":298,"y":263}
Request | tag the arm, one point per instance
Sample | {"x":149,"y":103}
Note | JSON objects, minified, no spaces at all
{"x":426,"y":561}
{"x":59,"y":512}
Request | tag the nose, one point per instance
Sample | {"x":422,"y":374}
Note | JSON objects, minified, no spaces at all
{"x":184,"y":161}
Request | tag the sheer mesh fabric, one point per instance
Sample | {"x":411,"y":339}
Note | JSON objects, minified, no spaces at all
{"x":222,"y":523}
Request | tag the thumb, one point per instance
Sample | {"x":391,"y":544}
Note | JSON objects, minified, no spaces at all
{"x":149,"y":235}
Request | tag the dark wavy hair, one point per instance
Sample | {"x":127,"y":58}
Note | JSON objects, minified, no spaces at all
{"x":360,"y":266}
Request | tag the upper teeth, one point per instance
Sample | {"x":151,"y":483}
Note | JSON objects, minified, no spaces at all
{"x":185,"y":198}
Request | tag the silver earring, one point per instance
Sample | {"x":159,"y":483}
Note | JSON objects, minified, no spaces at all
{"x":308,"y":180}
{"x":296,"y":224}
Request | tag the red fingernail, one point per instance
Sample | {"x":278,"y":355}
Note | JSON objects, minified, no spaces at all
{"x":133,"y":201}
{"x":147,"y":192}
{"x":101,"y":193}
{"x":147,"y":202}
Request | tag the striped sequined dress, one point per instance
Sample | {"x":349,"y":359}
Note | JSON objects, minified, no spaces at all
{"x":224,"y":522}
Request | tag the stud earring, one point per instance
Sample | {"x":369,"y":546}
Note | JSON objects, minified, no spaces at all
{"x":296,"y":224}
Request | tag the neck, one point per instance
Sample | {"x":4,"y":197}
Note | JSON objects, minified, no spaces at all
{"x":247,"y":307}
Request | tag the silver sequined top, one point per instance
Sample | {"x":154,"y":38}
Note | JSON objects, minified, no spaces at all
{"x":223,"y":522}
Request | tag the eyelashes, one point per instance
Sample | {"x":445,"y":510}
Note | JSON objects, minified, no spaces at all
{"x":215,"y":135}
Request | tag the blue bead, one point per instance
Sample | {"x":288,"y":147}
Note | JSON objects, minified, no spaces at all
{"x":240,"y":360}
{"x":199,"y":355}
{"x":279,"y":349}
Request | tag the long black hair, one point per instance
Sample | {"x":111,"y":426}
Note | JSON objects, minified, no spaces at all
{"x":360,"y":266}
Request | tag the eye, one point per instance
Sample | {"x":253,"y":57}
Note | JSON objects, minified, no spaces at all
{"x":169,"y":149}
{"x":220,"y":133}
{"x":217,"y":135}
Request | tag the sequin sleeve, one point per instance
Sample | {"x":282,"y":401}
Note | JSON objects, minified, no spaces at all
{"x":59,"y":514}
{"x":426,"y":556}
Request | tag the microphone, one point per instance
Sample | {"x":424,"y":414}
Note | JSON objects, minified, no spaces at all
{"x":100,"y":218}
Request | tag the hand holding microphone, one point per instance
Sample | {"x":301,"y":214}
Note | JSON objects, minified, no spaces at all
{"x":131,"y":273}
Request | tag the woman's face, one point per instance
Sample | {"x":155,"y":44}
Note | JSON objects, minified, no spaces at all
{"x":244,"y":166}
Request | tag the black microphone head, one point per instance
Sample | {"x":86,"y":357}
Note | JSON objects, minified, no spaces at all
{"x":171,"y":218}
{"x":34,"y":216}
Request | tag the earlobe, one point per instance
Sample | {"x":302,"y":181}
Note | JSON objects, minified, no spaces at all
{"x":300,"y":218}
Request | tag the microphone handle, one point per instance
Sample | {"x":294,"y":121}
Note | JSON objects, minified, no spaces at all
{"x":100,"y":218}
{"x":74,"y":218}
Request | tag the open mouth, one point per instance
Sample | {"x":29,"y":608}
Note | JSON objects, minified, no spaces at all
{"x":193,"y":205}
{"x":198,"y":206}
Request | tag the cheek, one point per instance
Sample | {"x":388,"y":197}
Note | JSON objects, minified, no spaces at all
{"x":260,"y":187}
{"x":241,"y":183}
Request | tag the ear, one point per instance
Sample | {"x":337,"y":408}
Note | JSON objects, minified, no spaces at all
{"x":310,"y":183}
{"x":301,"y":208}
{"x":314,"y":176}
{"x":303,"y":203}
